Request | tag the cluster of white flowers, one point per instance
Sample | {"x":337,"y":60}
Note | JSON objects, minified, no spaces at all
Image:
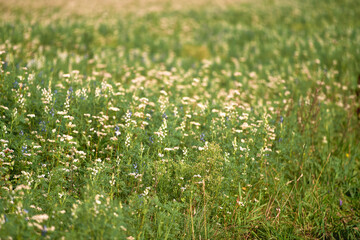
{"x":127,"y":141}
{"x":270,"y":134}
{"x":128,"y":119}
{"x":146,"y":191}
{"x":67,"y":102}
{"x":82,"y":93}
{"x":112,"y":181}
{"x":162,"y":133}
{"x":20,"y":99}
{"x":234,"y":144}
{"x":46,"y":98}
{"x":104,"y":90}
{"x":14,"y":113}
{"x":97,"y":92}
{"x":185,"y":151}
{"x":202,"y":107}
{"x":115,"y":109}
{"x":176,"y":112}
{"x":163,"y":100}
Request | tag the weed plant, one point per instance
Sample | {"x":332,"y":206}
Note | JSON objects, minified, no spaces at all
{"x":231,"y":122}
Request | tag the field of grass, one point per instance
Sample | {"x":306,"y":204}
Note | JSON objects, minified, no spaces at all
{"x":161,"y":119}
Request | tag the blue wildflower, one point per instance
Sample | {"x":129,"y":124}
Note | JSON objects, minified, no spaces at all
{"x":24,"y":149}
{"x":52,"y":112}
{"x":135,"y":167}
{"x":16,"y":84}
{"x":202,"y":137}
{"x":117,"y":131}
{"x":44,"y":231}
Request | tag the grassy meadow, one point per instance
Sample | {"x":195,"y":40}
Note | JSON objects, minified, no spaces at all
{"x":161,"y":119}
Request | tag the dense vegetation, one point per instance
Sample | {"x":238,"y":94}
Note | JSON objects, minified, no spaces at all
{"x":201,"y":122}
